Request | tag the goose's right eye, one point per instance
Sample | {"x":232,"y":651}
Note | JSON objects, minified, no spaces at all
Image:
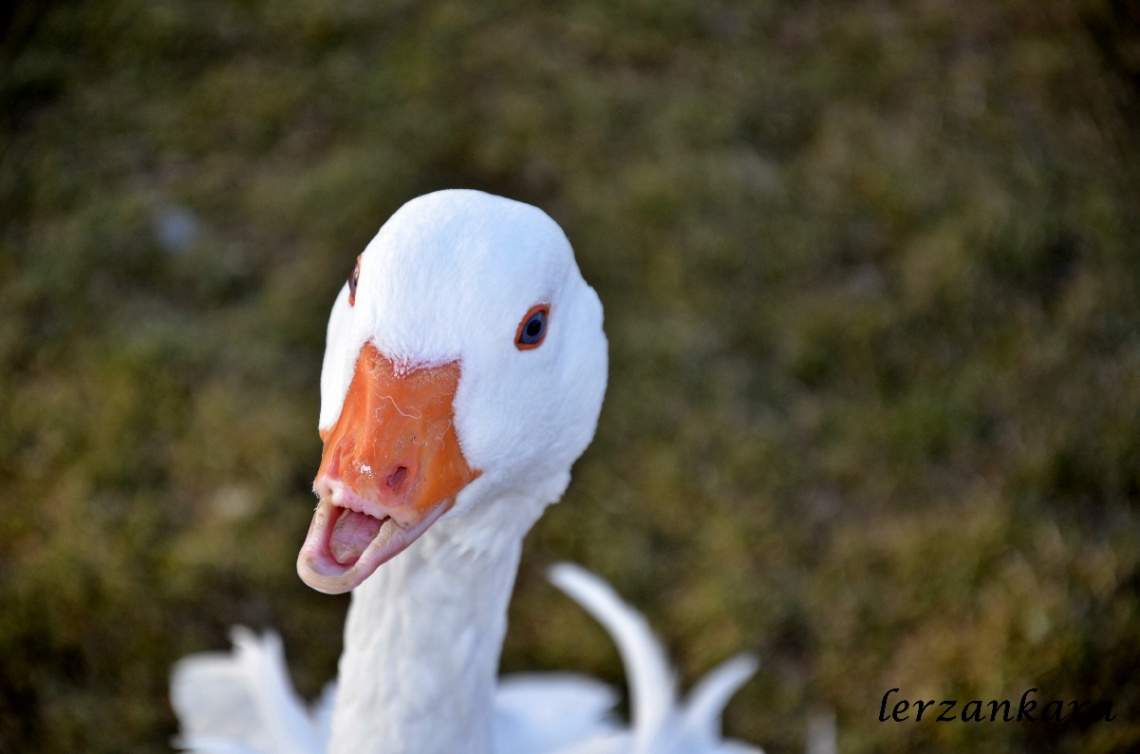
{"x":353,"y":279}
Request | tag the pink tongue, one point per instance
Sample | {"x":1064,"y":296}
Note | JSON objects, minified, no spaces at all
{"x":351,"y":534}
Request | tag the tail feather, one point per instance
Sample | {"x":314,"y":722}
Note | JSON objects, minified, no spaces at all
{"x":652,"y":684}
{"x":707,"y":700}
{"x":321,"y":713}
{"x":658,"y":725}
{"x":280,"y":707}
{"x":241,"y":702}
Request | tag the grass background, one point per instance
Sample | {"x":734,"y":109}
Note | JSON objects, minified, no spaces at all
{"x":871,"y":279}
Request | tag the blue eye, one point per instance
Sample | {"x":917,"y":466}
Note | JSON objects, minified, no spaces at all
{"x":532,"y":329}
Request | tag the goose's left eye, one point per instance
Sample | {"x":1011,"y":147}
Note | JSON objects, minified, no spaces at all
{"x":353,"y":280}
{"x":532,"y":328}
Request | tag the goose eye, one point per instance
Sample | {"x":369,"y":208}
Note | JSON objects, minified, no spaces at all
{"x":353,"y":279}
{"x":532,"y":329}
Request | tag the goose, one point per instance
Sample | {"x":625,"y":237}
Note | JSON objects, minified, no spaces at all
{"x":464,"y":374}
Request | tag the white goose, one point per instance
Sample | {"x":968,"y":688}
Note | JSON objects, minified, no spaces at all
{"x":463,"y":376}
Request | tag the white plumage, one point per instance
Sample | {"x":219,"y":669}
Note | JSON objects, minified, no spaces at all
{"x":243,"y":702}
{"x":424,"y":517}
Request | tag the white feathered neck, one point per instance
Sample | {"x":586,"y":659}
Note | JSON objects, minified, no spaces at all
{"x":423,"y":640}
{"x":448,"y":279}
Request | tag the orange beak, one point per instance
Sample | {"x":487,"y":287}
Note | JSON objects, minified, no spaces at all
{"x":391,"y":467}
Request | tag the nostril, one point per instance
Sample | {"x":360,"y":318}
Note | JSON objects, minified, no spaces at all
{"x":396,"y":480}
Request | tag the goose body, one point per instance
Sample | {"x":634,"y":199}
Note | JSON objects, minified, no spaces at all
{"x":463,"y":376}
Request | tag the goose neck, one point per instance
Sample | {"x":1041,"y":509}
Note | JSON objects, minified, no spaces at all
{"x":423,"y":639}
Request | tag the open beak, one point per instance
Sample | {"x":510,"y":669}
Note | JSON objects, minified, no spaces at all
{"x":391,"y":467}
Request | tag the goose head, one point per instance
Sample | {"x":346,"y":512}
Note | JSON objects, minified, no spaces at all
{"x":464,"y":370}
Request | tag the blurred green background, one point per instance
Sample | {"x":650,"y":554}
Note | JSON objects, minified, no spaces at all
{"x":871,"y":272}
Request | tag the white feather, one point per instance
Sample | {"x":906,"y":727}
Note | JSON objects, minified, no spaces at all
{"x":539,"y":713}
{"x":652,"y":686}
{"x":658,"y":725}
{"x":244,"y":703}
